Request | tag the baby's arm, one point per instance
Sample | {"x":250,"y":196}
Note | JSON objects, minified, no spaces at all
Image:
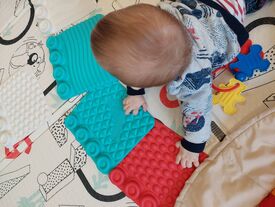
{"x":196,"y":111}
{"x":134,"y":100}
{"x":194,"y":91}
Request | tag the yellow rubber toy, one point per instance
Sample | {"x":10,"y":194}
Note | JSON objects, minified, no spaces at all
{"x":228,"y":100}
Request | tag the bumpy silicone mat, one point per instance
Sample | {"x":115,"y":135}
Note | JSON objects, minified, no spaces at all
{"x":100,"y":125}
{"x":149,"y":174}
{"x":74,"y":66}
{"x":22,"y":107}
{"x":98,"y":122}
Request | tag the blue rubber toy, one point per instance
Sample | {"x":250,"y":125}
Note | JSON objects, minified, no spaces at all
{"x":98,"y":122}
{"x":74,"y":66}
{"x":247,"y":64}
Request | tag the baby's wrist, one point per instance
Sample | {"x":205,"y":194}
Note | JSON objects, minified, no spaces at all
{"x":193,"y":147}
{"x":135,"y":92}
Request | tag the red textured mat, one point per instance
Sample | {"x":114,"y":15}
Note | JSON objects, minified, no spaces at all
{"x":268,"y":201}
{"x":149,"y":174}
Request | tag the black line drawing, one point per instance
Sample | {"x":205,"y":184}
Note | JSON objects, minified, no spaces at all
{"x":217,"y":131}
{"x":49,"y":88}
{"x":78,"y":155}
{"x":250,"y":89}
{"x":96,"y":195}
{"x":59,"y":131}
{"x":56,"y":180}
{"x":58,"y":128}
{"x":270,"y":101}
{"x":22,"y":34}
{"x":19,"y":6}
{"x":270,"y":55}
{"x":30,"y":55}
{"x":71,"y":100}
{"x":9,"y":180}
{"x":63,"y":205}
{"x":259,"y":22}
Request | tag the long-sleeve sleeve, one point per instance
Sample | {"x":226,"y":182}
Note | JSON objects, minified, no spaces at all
{"x":214,"y":44}
{"x":194,"y":92}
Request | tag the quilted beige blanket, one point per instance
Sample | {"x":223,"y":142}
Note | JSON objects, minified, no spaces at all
{"x":240,"y":172}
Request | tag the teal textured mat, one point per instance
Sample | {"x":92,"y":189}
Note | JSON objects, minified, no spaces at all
{"x":74,"y":65}
{"x":102,"y":128}
{"x":98,"y":122}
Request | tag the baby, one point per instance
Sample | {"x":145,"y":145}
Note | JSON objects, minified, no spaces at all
{"x":177,"y":43}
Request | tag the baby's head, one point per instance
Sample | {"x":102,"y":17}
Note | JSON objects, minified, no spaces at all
{"x":142,"y":45}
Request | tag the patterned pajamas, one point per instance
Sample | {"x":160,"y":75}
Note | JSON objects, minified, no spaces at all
{"x":214,"y":45}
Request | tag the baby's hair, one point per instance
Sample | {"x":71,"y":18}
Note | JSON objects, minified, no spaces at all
{"x":142,"y":45}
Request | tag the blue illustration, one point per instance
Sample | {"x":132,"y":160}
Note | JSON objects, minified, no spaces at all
{"x":190,"y":3}
{"x":203,"y":54}
{"x":207,"y":11}
{"x":218,"y":14}
{"x":197,"y":13}
{"x":218,"y":59}
{"x":195,"y":125}
{"x":195,"y":81}
{"x":183,"y":10}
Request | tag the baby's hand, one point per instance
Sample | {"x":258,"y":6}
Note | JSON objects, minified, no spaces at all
{"x":132,"y":104}
{"x":187,"y":158}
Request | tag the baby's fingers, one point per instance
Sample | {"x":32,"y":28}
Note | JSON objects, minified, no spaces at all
{"x":183,"y":163}
{"x":196,"y":163}
{"x":124,"y":101}
{"x":178,"y":158}
{"x":125,"y":107}
{"x":145,"y":107}
{"x":178,"y":144}
{"x":189,"y":164}
{"x":135,"y":111}
{"x":128,"y":109}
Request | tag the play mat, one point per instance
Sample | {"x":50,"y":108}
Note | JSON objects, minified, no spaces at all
{"x":50,"y":167}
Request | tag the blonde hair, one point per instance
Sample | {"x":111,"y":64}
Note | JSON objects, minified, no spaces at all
{"x":142,"y":45}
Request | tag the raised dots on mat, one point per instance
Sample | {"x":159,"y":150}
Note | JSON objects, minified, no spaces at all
{"x":160,"y":179}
